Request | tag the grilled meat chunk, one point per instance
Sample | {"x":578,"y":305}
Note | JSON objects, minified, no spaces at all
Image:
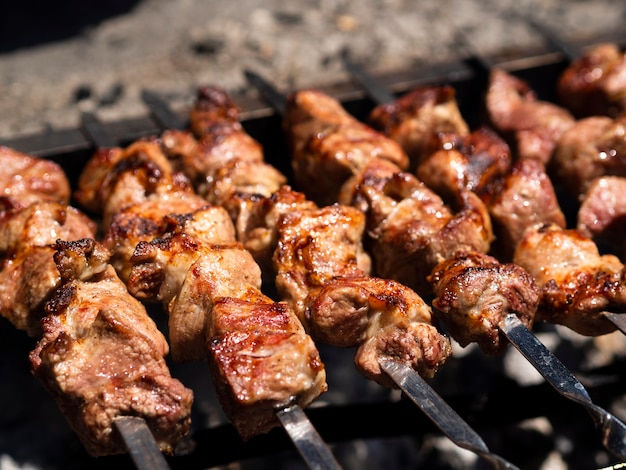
{"x":414,"y":118}
{"x":150,"y":219}
{"x":576,"y":283}
{"x":25,"y":179}
{"x":602,"y":214}
{"x":473,"y":294}
{"x":28,"y":275}
{"x":593,"y":147}
{"x":322,"y":273}
{"x":114,"y":179}
{"x":102,"y":357}
{"x":525,"y":198}
{"x":477,"y":162}
{"x":531,"y":126}
{"x":328,"y":145}
{"x":410,"y":227}
{"x":594,"y":84}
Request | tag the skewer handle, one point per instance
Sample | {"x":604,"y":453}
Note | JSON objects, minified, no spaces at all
{"x":305,"y":437}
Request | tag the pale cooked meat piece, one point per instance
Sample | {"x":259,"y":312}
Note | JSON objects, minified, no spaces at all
{"x":594,"y":146}
{"x":151,"y":218}
{"x":576,"y":282}
{"x":323,"y":276}
{"x":416,"y":116}
{"x":28,"y":274}
{"x":410,"y":227}
{"x":473,"y":294}
{"x":602,"y":213}
{"x":477,"y":162}
{"x":531,"y":126}
{"x":525,"y":198}
{"x":328,"y":146}
{"x":25,"y":179}
{"x":594,"y":84}
{"x":101,"y":356}
{"x":114,"y":179}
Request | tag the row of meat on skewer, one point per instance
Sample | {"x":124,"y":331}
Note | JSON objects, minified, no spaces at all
{"x":389,"y":230}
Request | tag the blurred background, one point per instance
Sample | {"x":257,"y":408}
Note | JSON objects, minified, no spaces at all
{"x":57,"y":57}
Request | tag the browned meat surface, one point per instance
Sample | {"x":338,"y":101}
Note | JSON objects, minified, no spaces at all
{"x":410,"y":227}
{"x":576,"y":283}
{"x":525,"y":198}
{"x":258,"y":351}
{"x":328,"y":146}
{"x":25,"y":179}
{"x":602,"y":214}
{"x":594,"y":146}
{"x":114,"y":179}
{"x":594,"y":84}
{"x":531,"y":126}
{"x":477,"y":162}
{"x":473,"y":294}
{"x":28,"y":274}
{"x":414,"y":118}
{"x":227,"y":162}
{"x":149,"y":219}
{"x":102,"y":357}
{"x":322,"y":273}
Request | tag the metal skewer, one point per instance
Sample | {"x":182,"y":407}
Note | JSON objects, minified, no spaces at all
{"x":140,"y":443}
{"x":308,"y":442}
{"x":408,"y":380}
{"x":612,"y":430}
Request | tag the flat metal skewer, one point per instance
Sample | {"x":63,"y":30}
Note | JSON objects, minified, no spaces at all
{"x":312,"y":448}
{"x":612,"y":430}
{"x":140,"y":443}
{"x":408,"y":380}
{"x":377,"y":92}
{"x":440,"y":413}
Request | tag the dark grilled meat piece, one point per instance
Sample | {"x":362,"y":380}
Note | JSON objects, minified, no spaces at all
{"x":414,"y":118}
{"x":102,"y":357}
{"x":29,"y":276}
{"x":25,"y":179}
{"x":595,"y":83}
{"x":576,"y":282}
{"x":473,"y":294}
{"x":593,"y":147}
{"x":531,"y":126}
{"x":322,"y":273}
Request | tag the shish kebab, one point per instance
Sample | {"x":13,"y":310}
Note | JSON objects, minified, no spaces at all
{"x":52,"y":292}
{"x":514,"y":327}
{"x":171,"y":246}
{"x":215,"y":118}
